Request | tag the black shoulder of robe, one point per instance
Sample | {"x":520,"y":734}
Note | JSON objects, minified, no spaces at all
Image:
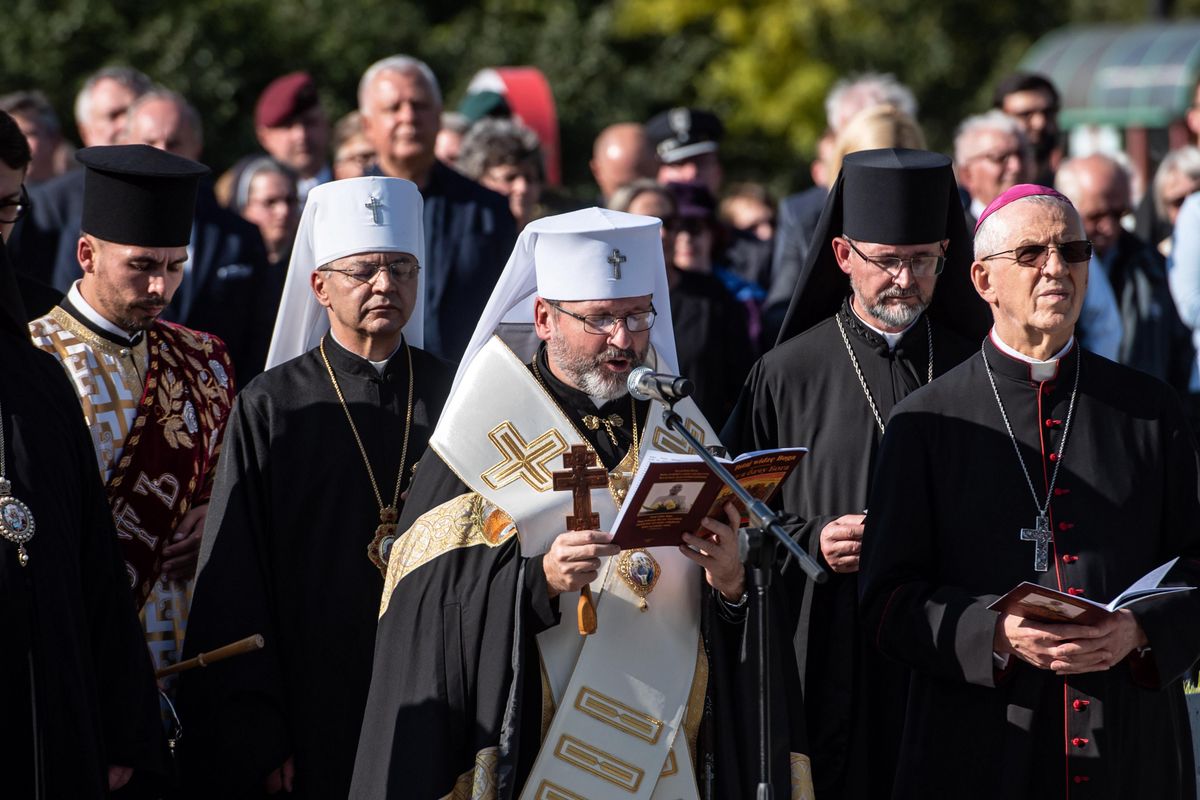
{"x":70,"y":609}
{"x":285,"y":556}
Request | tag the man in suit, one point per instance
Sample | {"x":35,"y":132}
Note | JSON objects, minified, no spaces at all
{"x":469,"y":230}
{"x":225,"y":278}
{"x":49,"y":233}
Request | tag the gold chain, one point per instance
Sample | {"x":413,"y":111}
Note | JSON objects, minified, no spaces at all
{"x":537,"y":373}
{"x":358,"y":439}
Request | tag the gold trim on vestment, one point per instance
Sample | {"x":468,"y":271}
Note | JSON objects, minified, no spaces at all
{"x":464,"y":521}
{"x":552,"y":791}
{"x":663,"y":439}
{"x":693,"y":713}
{"x":479,"y":782}
{"x":620,"y":716}
{"x":605,"y":766}
{"x":802,"y":785}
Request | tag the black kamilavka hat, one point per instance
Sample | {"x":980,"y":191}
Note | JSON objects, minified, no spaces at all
{"x":891,"y":196}
{"x":139,"y":195}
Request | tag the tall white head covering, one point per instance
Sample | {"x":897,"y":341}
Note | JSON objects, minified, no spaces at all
{"x":344,"y":218}
{"x":592,"y":254}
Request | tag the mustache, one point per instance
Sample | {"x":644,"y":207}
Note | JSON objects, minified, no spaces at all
{"x":613,"y":353}
{"x":896,"y":291}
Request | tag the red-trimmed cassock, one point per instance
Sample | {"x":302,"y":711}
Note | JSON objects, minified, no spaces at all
{"x":943,"y":541}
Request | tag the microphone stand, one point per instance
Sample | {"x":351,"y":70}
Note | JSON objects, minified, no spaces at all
{"x":757,"y":544}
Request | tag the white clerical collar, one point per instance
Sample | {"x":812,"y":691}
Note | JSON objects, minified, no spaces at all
{"x":892,"y":339}
{"x":94,"y":316}
{"x":379,"y":366}
{"x":1038,"y":370}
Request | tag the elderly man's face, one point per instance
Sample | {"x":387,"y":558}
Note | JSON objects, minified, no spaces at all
{"x":1175,"y":189}
{"x":162,"y":124}
{"x":596,"y":364}
{"x":888,"y":301}
{"x":1029,"y":300}
{"x":994,"y":163}
{"x":108,"y":103}
{"x":362,"y":307}
{"x":130,"y":286}
{"x":402,"y":117}
{"x":302,"y":142}
{"x":1103,"y":200}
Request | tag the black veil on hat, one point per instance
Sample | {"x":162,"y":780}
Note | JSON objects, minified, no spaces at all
{"x":12,"y":309}
{"x":891,"y":196}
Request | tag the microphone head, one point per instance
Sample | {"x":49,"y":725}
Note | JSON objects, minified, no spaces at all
{"x":634,"y":383}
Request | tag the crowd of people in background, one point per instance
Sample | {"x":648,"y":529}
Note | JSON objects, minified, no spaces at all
{"x":729,"y":245}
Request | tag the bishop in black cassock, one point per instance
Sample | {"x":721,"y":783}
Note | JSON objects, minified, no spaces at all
{"x":294,"y":512}
{"x":830,"y":385}
{"x":1034,"y":426}
{"x":77,"y":693}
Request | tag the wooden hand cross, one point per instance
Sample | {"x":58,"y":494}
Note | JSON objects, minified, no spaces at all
{"x":579,"y":477}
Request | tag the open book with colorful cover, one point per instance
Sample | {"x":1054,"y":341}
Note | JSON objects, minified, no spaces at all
{"x":1032,"y":601}
{"x":672,"y":492}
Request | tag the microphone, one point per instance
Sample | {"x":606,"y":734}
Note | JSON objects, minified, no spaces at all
{"x":645,"y":384}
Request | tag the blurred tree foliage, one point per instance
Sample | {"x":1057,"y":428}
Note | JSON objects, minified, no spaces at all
{"x":764,"y":65}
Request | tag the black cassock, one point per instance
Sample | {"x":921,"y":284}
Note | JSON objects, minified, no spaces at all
{"x":805,"y":393}
{"x":457,"y":665}
{"x":285,"y":555}
{"x":69,"y":613}
{"x":713,"y":341}
{"x":943,"y":541}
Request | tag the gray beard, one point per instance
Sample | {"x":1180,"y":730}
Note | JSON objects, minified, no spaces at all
{"x":896,"y":316}
{"x":587,"y":374}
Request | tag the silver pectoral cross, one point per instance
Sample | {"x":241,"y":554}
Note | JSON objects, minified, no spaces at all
{"x":616,"y":259}
{"x":1040,"y":535}
{"x":376,"y":207}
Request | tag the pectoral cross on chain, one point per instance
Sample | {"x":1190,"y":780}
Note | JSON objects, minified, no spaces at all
{"x":376,"y":207}
{"x":616,"y":259}
{"x":579,"y":478}
{"x":1040,"y":535}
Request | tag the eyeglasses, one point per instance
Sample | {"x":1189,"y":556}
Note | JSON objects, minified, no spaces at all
{"x":921,"y":266}
{"x":401,"y":271}
{"x":604,"y":324}
{"x":12,"y":211}
{"x":1036,"y":255}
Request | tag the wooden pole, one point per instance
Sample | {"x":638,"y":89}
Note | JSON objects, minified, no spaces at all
{"x":247,"y":645}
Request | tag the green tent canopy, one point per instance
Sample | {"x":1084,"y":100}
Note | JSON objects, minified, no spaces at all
{"x":1140,"y":76}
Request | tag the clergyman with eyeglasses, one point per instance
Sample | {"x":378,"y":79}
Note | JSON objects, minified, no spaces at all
{"x":320,"y":452}
{"x":865,"y":329}
{"x":1036,"y":461}
{"x":482,"y":674}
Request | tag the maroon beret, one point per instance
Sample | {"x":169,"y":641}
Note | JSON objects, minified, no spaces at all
{"x":284,"y":98}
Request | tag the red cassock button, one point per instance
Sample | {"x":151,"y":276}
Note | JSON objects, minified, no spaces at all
{"x":1054,"y":456}
{"x":1081,"y":779}
{"x":1079,"y":741}
{"x":1080,"y":705}
{"x":1074,"y":591}
{"x":1066,"y":526}
{"x":1070,"y":559}
{"x":1059,"y":491}
{"x":1053,"y":423}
